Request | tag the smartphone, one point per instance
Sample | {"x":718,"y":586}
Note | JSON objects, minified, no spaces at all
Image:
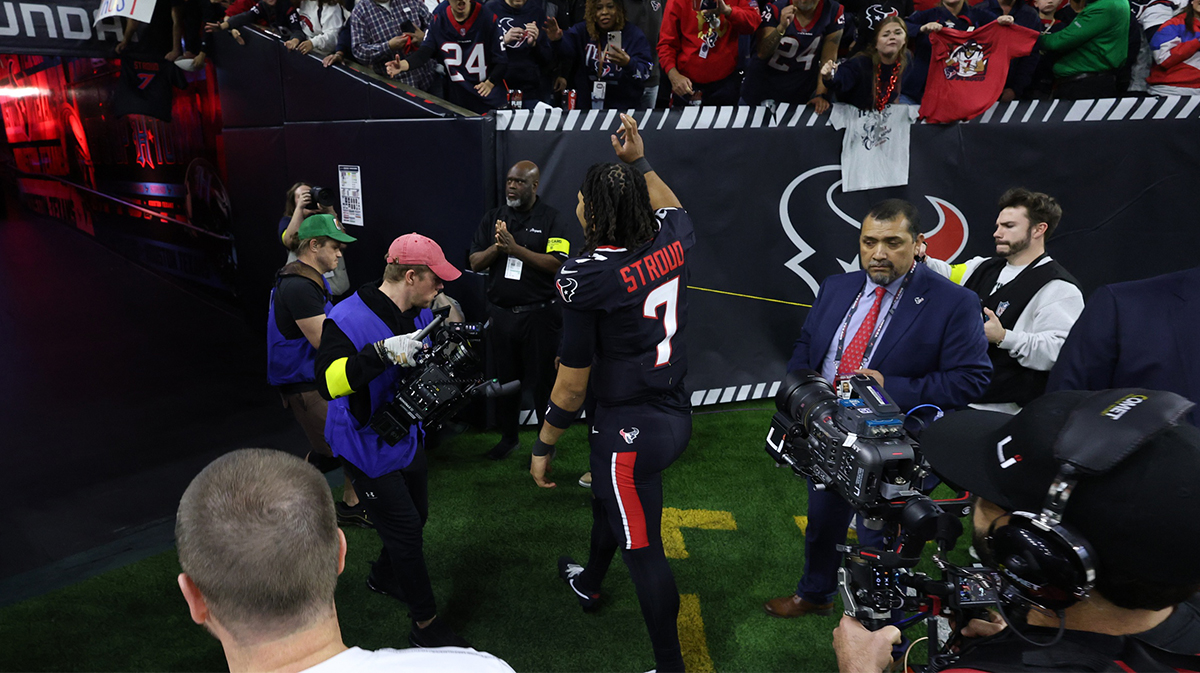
{"x":551,"y":10}
{"x":614,"y":38}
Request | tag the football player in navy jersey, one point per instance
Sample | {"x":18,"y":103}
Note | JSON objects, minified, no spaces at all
{"x":795,"y":38}
{"x":624,"y":314}
{"x":465,"y":36}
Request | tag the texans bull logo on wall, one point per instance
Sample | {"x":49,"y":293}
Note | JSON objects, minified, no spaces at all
{"x":819,"y":186}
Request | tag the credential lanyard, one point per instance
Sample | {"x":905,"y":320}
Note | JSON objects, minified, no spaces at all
{"x":837,"y":360}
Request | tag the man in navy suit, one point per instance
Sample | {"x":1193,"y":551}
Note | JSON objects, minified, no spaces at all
{"x":918,"y":334}
{"x":1141,"y":334}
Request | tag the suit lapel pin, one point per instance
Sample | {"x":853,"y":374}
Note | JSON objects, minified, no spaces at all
{"x":918,"y":300}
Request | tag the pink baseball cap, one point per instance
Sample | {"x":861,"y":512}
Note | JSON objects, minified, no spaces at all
{"x":417,"y":249}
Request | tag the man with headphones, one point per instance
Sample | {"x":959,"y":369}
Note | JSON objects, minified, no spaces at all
{"x":1086,"y":504}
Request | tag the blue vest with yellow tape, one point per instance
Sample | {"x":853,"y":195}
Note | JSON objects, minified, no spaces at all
{"x":361,"y":445}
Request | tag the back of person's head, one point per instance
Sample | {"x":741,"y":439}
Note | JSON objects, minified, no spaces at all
{"x":616,"y":207}
{"x":257,"y":534}
{"x":890,"y":209}
{"x":1137,"y":471}
{"x":1038,"y":207}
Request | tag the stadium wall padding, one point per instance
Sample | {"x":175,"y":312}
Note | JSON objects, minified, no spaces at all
{"x":772,"y":222}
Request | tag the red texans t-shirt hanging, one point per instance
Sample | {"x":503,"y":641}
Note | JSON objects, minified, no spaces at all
{"x":968,"y":69}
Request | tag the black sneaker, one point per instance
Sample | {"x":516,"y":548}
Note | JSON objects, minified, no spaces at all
{"x":503,"y":449}
{"x":436,"y":634}
{"x":568,"y":570}
{"x":353,"y":516}
{"x":381,"y":586}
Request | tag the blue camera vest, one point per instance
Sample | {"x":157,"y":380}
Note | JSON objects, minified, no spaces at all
{"x":290,"y":360}
{"x":361,"y":445}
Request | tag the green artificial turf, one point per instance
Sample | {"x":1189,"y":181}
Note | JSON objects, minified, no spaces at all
{"x":492,"y":542}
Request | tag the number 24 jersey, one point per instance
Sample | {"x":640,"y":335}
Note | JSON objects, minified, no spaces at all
{"x":638,"y":301}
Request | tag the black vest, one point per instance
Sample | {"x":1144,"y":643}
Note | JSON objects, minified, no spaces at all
{"x":1077,"y":651}
{"x":1010,"y":381}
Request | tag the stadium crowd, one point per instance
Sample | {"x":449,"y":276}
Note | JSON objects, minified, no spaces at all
{"x":635,"y":54}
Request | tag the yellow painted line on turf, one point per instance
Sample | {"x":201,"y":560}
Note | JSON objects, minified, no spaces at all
{"x":748,"y":296}
{"x":802,"y":522}
{"x":673,"y":520}
{"x":691,"y":635}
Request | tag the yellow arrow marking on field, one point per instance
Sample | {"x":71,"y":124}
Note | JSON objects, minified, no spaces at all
{"x":691,"y":625}
{"x":691,"y":635}
{"x":673,"y":520}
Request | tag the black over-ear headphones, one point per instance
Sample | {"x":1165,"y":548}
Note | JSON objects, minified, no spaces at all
{"x":1046,"y":563}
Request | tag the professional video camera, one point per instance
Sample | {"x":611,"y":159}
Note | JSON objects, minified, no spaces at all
{"x":440,"y":384}
{"x":321,"y":197}
{"x":856,"y":444}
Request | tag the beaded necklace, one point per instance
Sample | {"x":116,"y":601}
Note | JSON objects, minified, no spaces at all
{"x":884,"y":93}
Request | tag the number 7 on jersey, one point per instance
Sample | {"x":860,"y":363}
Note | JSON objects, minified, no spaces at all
{"x":668,"y":294}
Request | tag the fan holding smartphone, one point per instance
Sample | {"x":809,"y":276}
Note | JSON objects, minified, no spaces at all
{"x":612,"y":57}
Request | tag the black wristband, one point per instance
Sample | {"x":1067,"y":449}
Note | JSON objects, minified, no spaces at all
{"x":642,"y":166}
{"x":541,"y":448}
{"x":559,"y":417}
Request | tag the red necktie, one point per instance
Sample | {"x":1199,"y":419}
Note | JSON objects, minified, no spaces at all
{"x":853,"y":357}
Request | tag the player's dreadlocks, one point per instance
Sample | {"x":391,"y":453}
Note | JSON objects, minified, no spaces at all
{"x":616,"y":207}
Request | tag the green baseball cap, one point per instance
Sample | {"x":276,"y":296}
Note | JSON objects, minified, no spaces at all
{"x":323,"y":225}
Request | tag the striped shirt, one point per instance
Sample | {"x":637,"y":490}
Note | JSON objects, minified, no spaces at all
{"x":371,"y":26}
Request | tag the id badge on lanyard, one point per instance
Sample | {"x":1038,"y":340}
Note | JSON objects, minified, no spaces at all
{"x":841,"y":383}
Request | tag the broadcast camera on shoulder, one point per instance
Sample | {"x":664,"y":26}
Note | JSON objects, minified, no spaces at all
{"x":443,"y":380}
{"x":855,"y":443}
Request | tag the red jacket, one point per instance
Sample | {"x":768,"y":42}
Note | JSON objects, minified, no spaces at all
{"x":684,"y":32}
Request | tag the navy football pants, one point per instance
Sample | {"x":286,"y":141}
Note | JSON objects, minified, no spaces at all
{"x":630,"y":447}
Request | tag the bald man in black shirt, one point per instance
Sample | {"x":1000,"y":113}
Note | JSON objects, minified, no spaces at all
{"x":520,"y":245}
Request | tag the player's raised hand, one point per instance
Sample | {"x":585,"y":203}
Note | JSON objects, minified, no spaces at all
{"x":629,"y":148}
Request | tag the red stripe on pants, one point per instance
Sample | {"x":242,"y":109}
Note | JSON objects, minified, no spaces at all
{"x":630,"y":503}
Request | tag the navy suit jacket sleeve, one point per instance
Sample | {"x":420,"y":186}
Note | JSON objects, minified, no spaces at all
{"x":1089,"y":355}
{"x":802,"y":358}
{"x":963,"y":368}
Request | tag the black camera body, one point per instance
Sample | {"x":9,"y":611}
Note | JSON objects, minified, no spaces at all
{"x":441,"y":382}
{"x":321,"y":197}
{"x":856,"y":445}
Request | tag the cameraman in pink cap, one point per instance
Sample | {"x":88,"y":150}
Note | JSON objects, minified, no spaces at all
{"x":367,"y":341}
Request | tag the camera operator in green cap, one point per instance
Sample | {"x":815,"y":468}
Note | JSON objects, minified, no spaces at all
{"x":300,"y":301}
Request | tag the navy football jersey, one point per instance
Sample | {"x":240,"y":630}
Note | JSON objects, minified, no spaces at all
{"x":639,"y":299}
{"x":469,"y":50}
{"x":790,"y":74}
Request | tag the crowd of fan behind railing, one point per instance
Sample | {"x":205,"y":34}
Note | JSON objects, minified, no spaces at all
{"x":636,"y":54}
